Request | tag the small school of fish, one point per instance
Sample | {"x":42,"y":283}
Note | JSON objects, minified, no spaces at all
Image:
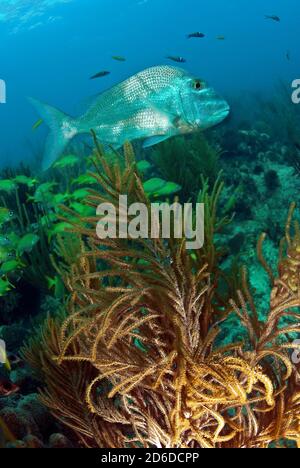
{"x":177,"y":59}
{"x":145,"y":106}
{"x":195,"y":35}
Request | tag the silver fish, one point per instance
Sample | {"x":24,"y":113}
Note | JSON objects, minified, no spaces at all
{"x":155,"y":104}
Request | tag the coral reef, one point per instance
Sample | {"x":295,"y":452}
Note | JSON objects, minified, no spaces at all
{"x":142,"y":342}
{"x":137,"y":359}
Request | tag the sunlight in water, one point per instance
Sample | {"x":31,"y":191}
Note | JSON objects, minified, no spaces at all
{"x":28,"y":14}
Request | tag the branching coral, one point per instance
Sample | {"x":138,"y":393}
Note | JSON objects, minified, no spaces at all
{"x":135,"y":361}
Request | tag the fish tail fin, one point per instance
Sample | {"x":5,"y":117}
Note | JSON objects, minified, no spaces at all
{"x":62,"y":130}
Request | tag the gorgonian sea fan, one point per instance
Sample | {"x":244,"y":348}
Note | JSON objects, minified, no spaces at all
{"x":135,"y":360}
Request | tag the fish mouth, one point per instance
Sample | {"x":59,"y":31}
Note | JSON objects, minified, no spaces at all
{"x":213,"y":118}
{"x":221,"y":114}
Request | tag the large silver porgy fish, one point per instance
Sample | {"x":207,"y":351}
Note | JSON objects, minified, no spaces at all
{"x":156,"y":104}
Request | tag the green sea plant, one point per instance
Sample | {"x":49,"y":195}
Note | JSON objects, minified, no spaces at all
{"x":184,"y":161}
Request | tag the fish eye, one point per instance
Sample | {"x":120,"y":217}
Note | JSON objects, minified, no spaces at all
{"x":197,"y":85}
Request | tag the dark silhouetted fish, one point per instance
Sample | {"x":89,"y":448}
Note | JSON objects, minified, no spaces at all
{"x":273,"y":18}
{"x":100,"y":75}
{"x":197,"y":35}
{"x":176,"y":59}
{"x":119,"y":58}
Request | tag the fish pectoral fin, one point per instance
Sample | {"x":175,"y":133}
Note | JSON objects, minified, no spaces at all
{"x":155,"y":140}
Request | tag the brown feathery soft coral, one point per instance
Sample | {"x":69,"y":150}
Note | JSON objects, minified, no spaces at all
{"x":136,"y":362}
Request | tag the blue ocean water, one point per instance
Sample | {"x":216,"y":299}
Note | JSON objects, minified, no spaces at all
{"x":140,"y":358}
{"x":50,"y":48}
